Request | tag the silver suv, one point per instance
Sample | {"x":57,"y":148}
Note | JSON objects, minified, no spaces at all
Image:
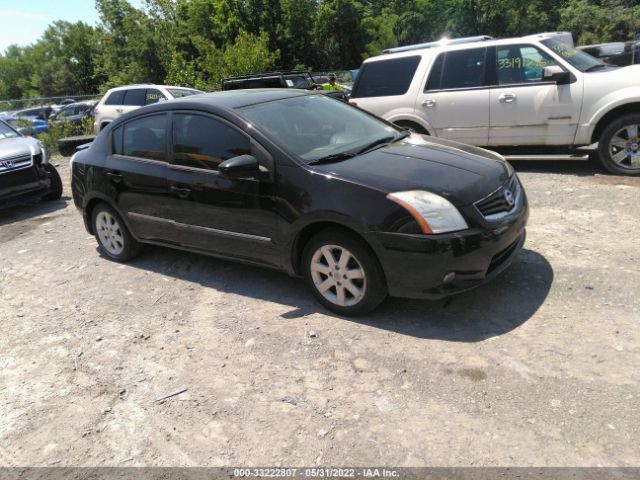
{"x":521,"y":96}
{"x":121,"y":100}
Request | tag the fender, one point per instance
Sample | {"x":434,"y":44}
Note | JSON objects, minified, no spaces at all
{"x":411,"y":117}
{"x":604,"y":105}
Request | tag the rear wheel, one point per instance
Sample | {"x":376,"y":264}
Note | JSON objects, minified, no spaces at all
{"x":114,"y":239}
{"x":619,"y":146}
{"x":55,"y":190}
{"x":343,"y":274}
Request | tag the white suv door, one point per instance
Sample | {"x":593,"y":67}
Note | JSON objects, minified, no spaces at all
{"x":454,"y":99}
{"x":524,"y":109}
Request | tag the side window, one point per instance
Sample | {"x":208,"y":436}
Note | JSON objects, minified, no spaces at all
{"x":115,"y":98}
{"x":435,"y":76}
{"x":464,"y":68}
{"x":386,"y":77}
{"x":146,"y":138}
{"x":153,"y":96}
{"x":521,"y":64}
{"x":136,"y":96}
{"x":203,"y":142}
{"x":116,"y":141}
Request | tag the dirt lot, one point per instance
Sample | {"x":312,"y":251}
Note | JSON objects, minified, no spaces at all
{"x":540,"y":367}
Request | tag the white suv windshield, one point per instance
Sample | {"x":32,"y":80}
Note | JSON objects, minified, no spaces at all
{"x":6,"y":132}
{"x":315,"y":127}
{"x":580,"y":60}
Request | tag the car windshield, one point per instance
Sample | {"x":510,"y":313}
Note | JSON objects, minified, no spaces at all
{"x":183,"y":92}
{"x":298,"y":81}
{"x":316,"y":127}
{"x":6,"y":131}
{"x":580,"y":60}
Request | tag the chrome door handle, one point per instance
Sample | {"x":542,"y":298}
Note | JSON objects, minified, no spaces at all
{"x":428,"y":103}
{"x":507,"y":98}
{"x":119,"y":110}
{"x":115,"y":177}
{"x":182,"y":192}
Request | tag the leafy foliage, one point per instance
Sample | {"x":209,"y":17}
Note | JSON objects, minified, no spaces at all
{"x":198,"y":42}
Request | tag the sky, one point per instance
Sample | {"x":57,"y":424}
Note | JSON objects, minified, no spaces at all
{"x":24,"y":21}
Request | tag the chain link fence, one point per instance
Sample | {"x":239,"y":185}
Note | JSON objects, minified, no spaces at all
{"x":23,"y":103}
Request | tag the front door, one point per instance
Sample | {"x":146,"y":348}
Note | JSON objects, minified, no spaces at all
{"x":525,"y":110}
{"x":229,"y":216}
{"x":455,"y":98}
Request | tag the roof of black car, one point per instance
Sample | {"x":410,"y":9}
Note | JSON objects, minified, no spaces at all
{"x":242,"y":98}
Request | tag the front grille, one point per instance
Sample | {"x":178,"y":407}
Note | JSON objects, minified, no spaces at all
{"x":501,"y":202}
{"x":10,"y":164}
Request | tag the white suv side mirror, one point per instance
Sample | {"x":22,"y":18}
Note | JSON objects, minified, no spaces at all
{"x":555,"y":74}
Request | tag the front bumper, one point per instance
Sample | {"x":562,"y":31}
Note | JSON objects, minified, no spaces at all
{"x":32,"y":181}
{"x":415,"y":266}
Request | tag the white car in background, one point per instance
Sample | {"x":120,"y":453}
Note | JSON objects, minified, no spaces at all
{"x":521,"y":96}
{"x":121,"y":100}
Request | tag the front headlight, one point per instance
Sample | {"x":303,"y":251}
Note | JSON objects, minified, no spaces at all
{"x":433,"y":213}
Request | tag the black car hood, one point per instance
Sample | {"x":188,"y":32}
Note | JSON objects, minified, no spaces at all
{"x":460,"y":173}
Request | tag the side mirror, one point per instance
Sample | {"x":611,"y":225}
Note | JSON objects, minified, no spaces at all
{"x":241,"y":166}
{"x":555,"y":74}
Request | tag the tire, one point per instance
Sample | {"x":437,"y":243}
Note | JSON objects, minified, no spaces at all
{"x":113,"y":237}
{"x":412,"y":126}
{"x":55,"y":190}
{"x":619,"y":146}
{"x":322,"y":258}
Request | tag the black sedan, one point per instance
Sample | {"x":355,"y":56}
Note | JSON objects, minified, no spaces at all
{"x":305,"y":184}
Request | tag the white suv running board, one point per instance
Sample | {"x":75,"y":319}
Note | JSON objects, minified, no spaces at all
{"x":546,"y":157}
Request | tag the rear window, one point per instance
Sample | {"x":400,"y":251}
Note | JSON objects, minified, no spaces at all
{"x":386,"y":77}
{"x":135,"y":97}
{"x":115,"y":98}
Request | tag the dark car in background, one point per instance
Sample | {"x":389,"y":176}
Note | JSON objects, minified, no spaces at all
{"x":24,"y":168}
{"x":73,"y":114}
{"x":615,"y":53}
{"x":306,"y":184}
{"x":288,"y":79}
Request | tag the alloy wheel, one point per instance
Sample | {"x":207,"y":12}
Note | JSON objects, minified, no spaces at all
{"x":624,"y":147}
{"x":109,"y":233}
{"x":338,"y":275}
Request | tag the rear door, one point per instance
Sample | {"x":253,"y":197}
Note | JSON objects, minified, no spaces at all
{"x":455,"y":96}
{"x":133,"y":99}
{"x":230,"y":216}
{"x":525,"y":110}
{"x":137,"y":174}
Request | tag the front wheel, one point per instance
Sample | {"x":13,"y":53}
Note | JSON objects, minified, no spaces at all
{"x":343,"y":274}
{"x":55,"y":189}
{"x":619,"y":146}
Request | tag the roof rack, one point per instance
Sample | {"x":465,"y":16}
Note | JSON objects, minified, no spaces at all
{"x":439,"y":43}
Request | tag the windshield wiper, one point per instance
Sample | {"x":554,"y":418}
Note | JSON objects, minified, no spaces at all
{"x":384,"y":141}
{"x":336,"y":157}
{"x":593,"y":67}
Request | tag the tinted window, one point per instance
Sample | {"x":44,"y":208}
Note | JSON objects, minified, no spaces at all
{"x":464,"y":69}
{"x":116,"y":141}
{"x":136,"y":97}
{"x":520,"y":64}
{"x":146,"y":138}
{"x":182,"y":92}
{"x":435,"y":77}
{"x":203,"y":142}
{"x":115,"y":98}
{"x":154,"y":96}
{"x":386,"y":77}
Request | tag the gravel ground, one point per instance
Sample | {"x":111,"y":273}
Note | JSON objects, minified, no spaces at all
{"x":177,"y":359}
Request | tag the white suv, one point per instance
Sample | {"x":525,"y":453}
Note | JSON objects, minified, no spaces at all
{"x":514,"y":95}
{"x":121,"y":100}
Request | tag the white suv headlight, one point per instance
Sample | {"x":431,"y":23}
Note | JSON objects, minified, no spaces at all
{"x":433,"y":213}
